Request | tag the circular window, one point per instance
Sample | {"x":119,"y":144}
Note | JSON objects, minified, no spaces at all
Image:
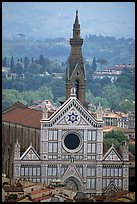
{"x":72,"y":141}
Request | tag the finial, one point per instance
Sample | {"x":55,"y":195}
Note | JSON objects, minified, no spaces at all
{"x":73,"y":92}
{"x":76,"y":20}
{"x":17,"y":141}
{"x":99,"y":106}
{"x":112,"y":144}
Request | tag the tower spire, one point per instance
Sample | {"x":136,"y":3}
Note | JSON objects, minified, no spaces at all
{"x":76,"y":27}
{"x":75,"y":72}
{"x":76,"y":24}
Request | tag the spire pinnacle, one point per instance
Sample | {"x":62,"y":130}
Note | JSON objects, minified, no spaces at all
{"x":76,"y":24}
{"x":99,"y":106}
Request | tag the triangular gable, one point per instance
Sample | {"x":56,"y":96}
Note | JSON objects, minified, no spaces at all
{"x":73,"y":117}
{"x":30,"y":154}
{"x":72,"y":102}
{"x":72,"y":172}
{"x":112,"y":155}
{"x":111,"y":187}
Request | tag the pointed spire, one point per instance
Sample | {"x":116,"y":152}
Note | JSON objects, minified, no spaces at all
{"x":17,"y":143}
{"x":99,"y":106}
{"x":76,"y":27}
{"x":76,"y":24}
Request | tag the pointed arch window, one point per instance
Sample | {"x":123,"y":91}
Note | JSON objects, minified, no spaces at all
{"x":77,"y":87}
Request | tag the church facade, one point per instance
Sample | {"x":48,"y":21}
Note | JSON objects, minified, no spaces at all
{"x":71,"y":141}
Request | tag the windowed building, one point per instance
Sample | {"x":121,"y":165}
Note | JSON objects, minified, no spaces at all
{"x":71,"y":140}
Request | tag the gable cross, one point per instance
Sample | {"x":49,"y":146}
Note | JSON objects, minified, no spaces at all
{"x":112,"y":154}
{"x":31,"y":153}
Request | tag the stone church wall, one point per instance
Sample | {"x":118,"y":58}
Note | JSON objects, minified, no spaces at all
{"x":10,"y":133}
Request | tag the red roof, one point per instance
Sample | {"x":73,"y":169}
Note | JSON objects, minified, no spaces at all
{"x":110,"y":128}
{"x":40,"y":191}
{"x":42,"y":198}
{"x":23,"y":115}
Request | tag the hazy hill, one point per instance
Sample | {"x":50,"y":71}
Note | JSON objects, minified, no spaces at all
{"x":109,"y":48}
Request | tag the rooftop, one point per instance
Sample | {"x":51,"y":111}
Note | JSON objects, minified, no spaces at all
{"x":21,"y":114}
{"x":110,"y":128}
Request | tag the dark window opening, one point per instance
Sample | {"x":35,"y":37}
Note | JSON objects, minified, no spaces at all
{"x":77,"y":88}
{"x":72,"y":141}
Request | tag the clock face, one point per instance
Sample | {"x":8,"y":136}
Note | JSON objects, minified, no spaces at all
{"x":72,"y":141}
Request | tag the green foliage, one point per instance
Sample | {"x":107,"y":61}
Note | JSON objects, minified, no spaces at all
{"x":12,"y":197}
{"x":131,"y":148}
{"x":108,"y":143}
{"x":108,"y":48}
{"x":45,"y":93}
{"x":57,"y":87}
{"x":126,"y":79}
{"x":26,"y":63}
{"x":34,"y":68}
{"x":115,"y":137}
{"x":12,"y":68}
{"x":19,"y":69}
{"x":9,"y":97}
{"x":4,"y":62}
{"x":102,"y":62}
{"x":111,"y":94}
{"x":94,"y":64}
{"x":126,"y":106}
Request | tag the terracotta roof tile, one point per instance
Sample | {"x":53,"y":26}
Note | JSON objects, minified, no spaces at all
{"x":112,"y":115}
{"x":42,"y":198}
{"x":40,"y":191}
{"x":109,"y":128}
{"x":23,"y":116}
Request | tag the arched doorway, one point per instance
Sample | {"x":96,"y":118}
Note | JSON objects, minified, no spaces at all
{"x":73,"y":184}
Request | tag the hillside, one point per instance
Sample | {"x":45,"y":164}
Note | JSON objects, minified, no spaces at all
{"x":115,"y":51}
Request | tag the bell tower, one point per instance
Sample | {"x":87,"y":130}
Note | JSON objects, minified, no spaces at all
{"x":75,"y":73}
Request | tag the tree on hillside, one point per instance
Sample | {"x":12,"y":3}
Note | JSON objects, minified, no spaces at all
{"x":126,"y":106}
{"x":4,"y":62}
{"x":19,"y":69}
{"x":35,"y":68}
{"x":26,"y":63}
{"x":45,"y":93}
{"x":116,"y":137}
{"x":94,"y":64}
{"x":110,"y":92}
{"x":42,"y":62}
{"x":12,"y":68}
{"x":102,"y":62}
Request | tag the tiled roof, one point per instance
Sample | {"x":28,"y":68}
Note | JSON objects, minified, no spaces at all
{"x":23,"y":115}
{"x":42,"y":198}
{"x":40,"y":191}
{"x":111,"y":115}
{"x":109,"y":128}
